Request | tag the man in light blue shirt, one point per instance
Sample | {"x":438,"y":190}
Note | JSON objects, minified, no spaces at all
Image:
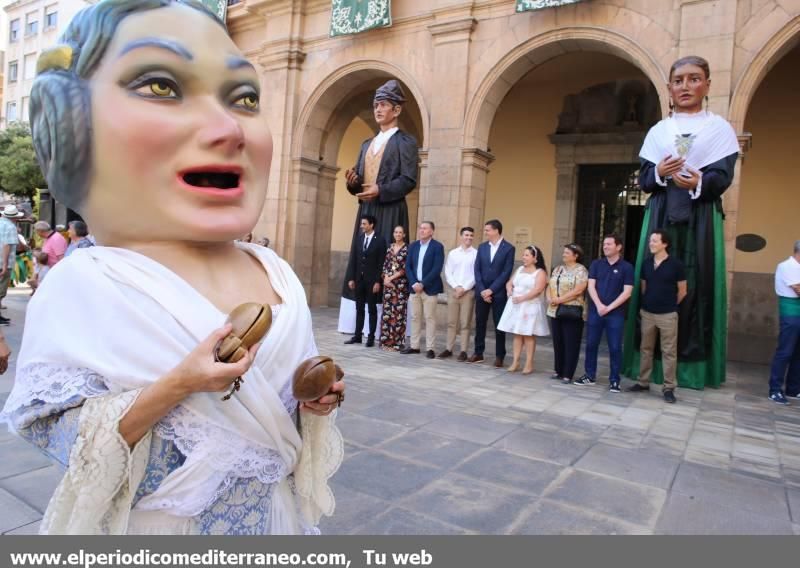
{"x":8,"y":254}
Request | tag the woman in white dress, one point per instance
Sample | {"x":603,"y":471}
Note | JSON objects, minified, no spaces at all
{"x":524,"y":314}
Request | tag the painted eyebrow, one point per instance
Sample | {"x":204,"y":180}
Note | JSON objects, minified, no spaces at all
{"x":235,"y":62}
{"x":168,"y":45}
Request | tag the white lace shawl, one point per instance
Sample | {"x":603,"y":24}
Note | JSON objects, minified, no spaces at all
{"x":83,"y":320}
{"x":715,"y":139}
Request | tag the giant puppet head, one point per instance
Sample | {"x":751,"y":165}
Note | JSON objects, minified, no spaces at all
{"x":146,"y":119}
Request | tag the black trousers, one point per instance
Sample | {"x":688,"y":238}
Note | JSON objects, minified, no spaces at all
{"x":566,"y":345}
{"x":364,"y":296}
{"x":482,"y":310}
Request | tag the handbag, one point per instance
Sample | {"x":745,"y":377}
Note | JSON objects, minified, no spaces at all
{"x":564,"y":311}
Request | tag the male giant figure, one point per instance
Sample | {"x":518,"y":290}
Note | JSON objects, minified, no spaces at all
{"x":385,"y":173}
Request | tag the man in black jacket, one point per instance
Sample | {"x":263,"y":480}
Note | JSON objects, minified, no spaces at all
{"x":364,"y":277}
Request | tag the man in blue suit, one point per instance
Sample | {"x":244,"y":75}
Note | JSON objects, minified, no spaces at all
{"x":424,"y":271}
{"x":493,"y":268}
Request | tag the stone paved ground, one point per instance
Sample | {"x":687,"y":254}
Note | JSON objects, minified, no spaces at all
{"x":439,"y":447}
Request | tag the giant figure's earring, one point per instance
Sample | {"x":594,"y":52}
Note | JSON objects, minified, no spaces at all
{"x":57,"y":57}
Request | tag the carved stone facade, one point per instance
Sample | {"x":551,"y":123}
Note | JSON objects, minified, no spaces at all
{"x":457,"y":60}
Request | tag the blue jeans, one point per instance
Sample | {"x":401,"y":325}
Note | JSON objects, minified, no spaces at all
{"x":786,"y":362}
{"x":614,"y":326}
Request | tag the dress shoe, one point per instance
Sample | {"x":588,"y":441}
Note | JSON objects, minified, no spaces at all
{"x":498,"y":362}
{"x":430,"y":354}
{"x":475,"y":359}
{"x":446,"y":354}
{"x":462,"y":356}
{"x":669,"y":396}
{"x":354,"y":339}
{"x":371,"y":341}
{"x":514,"y":367}
{"x":5,"y":321}
{"x":637,"y":388}
{"x":409,"y":351}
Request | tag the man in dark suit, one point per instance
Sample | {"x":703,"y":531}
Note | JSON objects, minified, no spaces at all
{"x":364,"y":277}
{"x":424,"y":271}
{"x":493,"y":267}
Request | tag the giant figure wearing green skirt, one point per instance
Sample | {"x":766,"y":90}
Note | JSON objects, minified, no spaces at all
{"x":687,"y":163}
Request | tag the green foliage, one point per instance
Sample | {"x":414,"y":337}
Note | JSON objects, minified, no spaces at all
{"x":19,"y":170}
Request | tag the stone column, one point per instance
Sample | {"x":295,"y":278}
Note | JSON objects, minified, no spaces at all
{"x":440,"y":196}
{"x":472,"y":193}
{"x":566,"y":200}
{"x":730,"y":204}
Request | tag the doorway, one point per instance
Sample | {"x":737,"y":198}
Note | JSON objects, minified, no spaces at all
{"x":609,"y":201}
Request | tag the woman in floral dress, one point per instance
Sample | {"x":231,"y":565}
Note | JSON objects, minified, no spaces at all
{"x":395,"y":293}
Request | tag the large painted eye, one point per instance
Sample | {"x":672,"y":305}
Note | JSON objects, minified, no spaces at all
{"x":161,"y":89}
{"x":249,"y":101}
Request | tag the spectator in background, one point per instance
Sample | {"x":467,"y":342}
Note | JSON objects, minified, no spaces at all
{"x":78,"y":236}
{"x":39,"y":271}
{"x":786,"y":362}
{"x":8,"y":253}
{"x":52,"y":242}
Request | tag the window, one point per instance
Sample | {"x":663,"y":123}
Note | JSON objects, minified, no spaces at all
{"x":12,"y":71}
{"x":11,"y":113}
{"x":25,"y":107}
{"x":29,"y":66}
{"x":50,"y":17}
{"x":13,"y":31}
{"x":32,"y":24}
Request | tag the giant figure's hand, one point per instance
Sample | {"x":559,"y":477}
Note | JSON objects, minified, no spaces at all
{"x":669,"y":166}
{"x":201,"y":372}
{"x":687,"y":182}
{"x":370,"y":193}
{"x":351,"y":177}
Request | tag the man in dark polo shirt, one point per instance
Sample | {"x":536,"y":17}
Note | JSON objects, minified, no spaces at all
{"x":610,"y":286}
{"x":663,"y":288}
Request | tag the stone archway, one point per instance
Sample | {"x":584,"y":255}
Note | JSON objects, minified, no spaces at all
{"x":340,"y":98}
{"x":571,"y":151}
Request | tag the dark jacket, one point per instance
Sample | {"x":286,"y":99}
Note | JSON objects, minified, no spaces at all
{"x":397,"y":176}
{"x":494,"y":274}
{"x":432,"y":266}
{"x":366,"y":265}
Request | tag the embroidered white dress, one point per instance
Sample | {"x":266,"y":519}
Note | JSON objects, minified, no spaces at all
{"x":525,"y":318}
{"x":107,"y":323}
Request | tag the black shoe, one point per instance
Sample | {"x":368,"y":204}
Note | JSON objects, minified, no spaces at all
{"x":430,"y":354}
{"x":584,"y":381}
{"x":409,"y":351}
{"x":5,"y":321}
{"x":462,"y":356}
{"x":614,"y":387}
{"x":370,"y":341}
{"x":638,"y":388}
{"x":445,"y":354}
{"x":352,"y":340}
{"x":669,"y":397}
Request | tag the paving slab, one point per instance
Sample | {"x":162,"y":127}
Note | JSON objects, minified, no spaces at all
{"x":637,"y":466}
{"x":635,"y":504}
{"x":723,"y":488}
{"x":552,"y":518}
{"x":16,"y":513}
{"x":432,"y":449}
{"x":688,"y":515}
{"x":383,"y":476}
{"x":794,"y":504}
{"x":31,"y":529}
{"x":368,"y":431}
{"x":405,"y":413}
{"x":469,"y":503}
{"x":35,"y":487}
{"x":472,"y":428}
{"x":513,"y":472}
{"x":353,"y":509}
{"x":560,"y":447}
{"x":400,"y":521}
{"x":17,"y":456}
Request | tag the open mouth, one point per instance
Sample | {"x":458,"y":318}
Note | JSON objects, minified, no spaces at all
{"x":212,"y":179}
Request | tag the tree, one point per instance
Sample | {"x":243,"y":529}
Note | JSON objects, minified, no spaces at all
{"x":19,"y":170}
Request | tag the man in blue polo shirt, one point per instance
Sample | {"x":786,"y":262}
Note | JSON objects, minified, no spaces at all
{"x":610,"y":286}
{"x":663,"y":288}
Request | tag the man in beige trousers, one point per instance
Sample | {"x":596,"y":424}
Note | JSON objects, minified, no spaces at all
{"x":663,"y":289}
{"x":459,"y":271}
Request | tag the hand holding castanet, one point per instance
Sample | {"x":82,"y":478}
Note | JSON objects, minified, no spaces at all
{"x":250,"y":323}
{"x":315,"y":378}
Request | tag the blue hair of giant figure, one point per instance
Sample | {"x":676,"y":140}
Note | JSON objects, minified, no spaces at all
{"x":60,"y":111}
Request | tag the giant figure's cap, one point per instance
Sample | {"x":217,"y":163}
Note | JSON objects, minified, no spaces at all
{"x":390,"y":91}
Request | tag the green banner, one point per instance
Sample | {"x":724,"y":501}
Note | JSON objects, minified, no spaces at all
{"x":525,"y":5}
{"x":354,"y":16}
{"x":219,"y":7}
